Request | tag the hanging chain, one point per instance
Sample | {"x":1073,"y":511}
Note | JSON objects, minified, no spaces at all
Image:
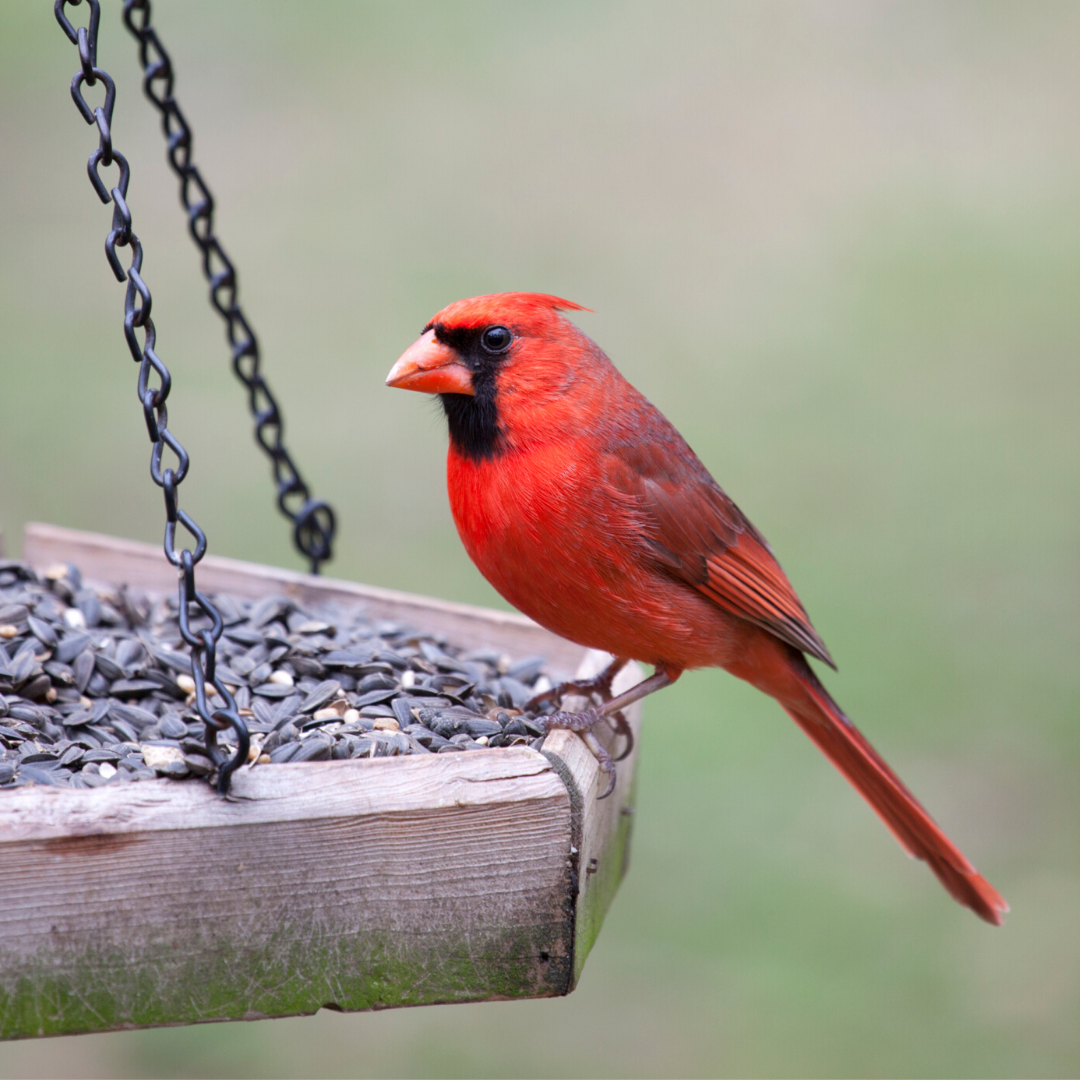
{"x":137,"y":303}
{"x":313,"y":520}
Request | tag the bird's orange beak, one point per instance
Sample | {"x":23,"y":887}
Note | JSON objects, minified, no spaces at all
{"x":432,"y":368}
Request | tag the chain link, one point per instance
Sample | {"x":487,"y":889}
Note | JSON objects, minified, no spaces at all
{"x":313,"y":520}
{"x":137,"y":303}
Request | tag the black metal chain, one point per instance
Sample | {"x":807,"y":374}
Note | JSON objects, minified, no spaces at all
{"x":137,"y":303}
{"x":313,"y":520}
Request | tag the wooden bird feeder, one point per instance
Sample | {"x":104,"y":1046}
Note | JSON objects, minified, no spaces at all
{"x":346,"y":885}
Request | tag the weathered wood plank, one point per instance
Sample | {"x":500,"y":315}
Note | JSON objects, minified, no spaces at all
{"x":351,"y":884}
{"x":106,"y":559}
{"x":348,"y":884}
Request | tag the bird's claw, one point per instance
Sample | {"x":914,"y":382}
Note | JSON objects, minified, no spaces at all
{"x":604,"y":760}
{"x":582,"y":723}
{"x":599,"y":686}
{"x":555,"y":694}
{"x":622,"y":727}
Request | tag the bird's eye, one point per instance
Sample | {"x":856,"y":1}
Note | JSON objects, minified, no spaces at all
{"x":496,"y":339}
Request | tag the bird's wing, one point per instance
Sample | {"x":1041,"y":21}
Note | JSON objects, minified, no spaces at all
{"x":697,"y":534}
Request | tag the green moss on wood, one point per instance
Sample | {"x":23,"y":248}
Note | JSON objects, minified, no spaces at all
{"x":284,"y":974}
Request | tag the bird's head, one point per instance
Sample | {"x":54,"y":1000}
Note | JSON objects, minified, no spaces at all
{"x":499,"y":364}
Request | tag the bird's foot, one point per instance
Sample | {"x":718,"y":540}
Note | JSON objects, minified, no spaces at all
{"x":583,"y":723}
{"x":598,"y":686}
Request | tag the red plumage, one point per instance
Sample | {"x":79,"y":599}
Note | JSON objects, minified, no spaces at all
{"x":588,"y":511}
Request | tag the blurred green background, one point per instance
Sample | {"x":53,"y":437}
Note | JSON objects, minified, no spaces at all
{"x":839,"y":245}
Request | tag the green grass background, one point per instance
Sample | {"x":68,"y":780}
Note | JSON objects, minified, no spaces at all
{"x":839,"y":245}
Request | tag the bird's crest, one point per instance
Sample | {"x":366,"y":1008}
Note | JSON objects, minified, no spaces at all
{"x":502,"y":307}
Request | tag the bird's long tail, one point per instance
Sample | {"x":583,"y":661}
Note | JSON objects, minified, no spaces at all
{"x":842,"y":743}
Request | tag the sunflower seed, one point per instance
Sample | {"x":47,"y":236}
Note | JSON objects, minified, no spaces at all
{"x":131,"y":714}
{"x":198,"y":764}
{"x":59,"y":673}
{"x":40,"y":756}
{"x":72,"y":754}
{"x":518,"y":692}
{"x":37,"y":687}
{"x":125,"y":731}
{"x":268,"y":609}
{"x":132,"y":687}
{"x":108,"y":666}
{"x":374,"y":697}
{"x":527,"y":669}
{"x":378,"y":680}
{"x":28,"y":714}
{"x":46,"y":777}
{"x":228,"y":676}
{"x":373,"y":712}
{"x":90,"y":606}
{"x":351,"y":660}
{"x":129,"y":653}
{"x":83,"y":669}
{"x":364,"y":747}
{"x":171,"y":659}
{"x":101,"y":755}
{"x":272,"y":690}
{"x":23,"y":666}
{"x":316,"y":748}
{"x":172,"y":727}
{"x":283,"y":753}
{"x":42,"y":631}
{"x":317,"y":698}
{"x":306,"y":665}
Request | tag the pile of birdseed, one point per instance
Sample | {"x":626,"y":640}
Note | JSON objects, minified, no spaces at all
{"x":96,"y":685}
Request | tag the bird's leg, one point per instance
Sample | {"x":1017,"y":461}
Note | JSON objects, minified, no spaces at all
{"x":598,"y":684}
{"x":584,"y":722}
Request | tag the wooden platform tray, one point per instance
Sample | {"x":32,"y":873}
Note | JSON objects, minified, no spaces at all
{"x":341,"y":884}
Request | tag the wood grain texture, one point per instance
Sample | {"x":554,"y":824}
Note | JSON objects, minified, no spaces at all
{"x":265,"y":794}
{"x":348,"y":884}
{"x":106,"y":559}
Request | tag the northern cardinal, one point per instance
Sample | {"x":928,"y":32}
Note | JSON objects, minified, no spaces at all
{"x":587,"y":510}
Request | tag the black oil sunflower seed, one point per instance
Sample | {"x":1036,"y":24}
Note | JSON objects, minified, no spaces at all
{"x":320,"y":695}
{"x":42,"y":631}
{"x":70,"y":646}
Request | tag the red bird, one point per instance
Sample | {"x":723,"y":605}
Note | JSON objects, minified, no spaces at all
{"x":587,"y":510}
